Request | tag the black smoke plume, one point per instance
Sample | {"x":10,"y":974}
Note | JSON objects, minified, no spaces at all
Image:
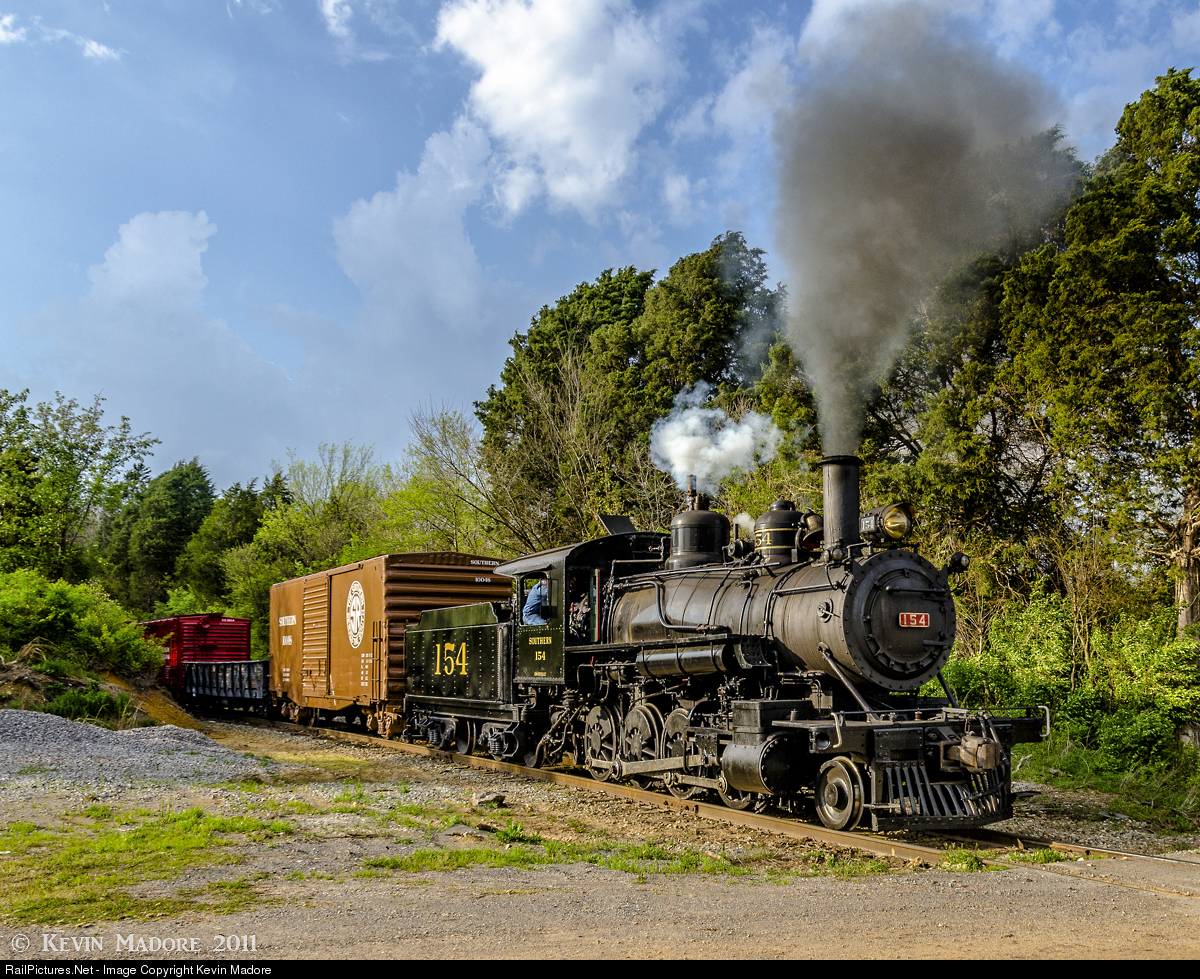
{"x":910,"y":149}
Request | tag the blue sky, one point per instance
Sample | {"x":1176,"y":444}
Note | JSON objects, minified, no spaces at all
{"x":254,"y":225}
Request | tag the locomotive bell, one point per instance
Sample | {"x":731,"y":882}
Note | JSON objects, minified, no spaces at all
{"x":698,"y":535}
{"x":775,"y":532}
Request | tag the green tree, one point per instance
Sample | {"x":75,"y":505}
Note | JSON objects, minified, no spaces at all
{"x":147,"y":538}
{"x":61,"y":469}
{"x":1106,"y":341}
{"x":233,"y":521}
{"x":565,"y":436}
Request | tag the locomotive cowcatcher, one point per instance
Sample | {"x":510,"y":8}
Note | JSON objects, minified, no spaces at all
{"x":788,"y":671}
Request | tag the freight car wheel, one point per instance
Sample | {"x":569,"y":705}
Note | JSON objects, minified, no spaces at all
{"x":674,"y":745}
{"x":601,"y":745}
{"x":840,"y":794}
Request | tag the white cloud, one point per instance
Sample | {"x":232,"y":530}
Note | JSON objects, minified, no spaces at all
{"x":141,"y":338}
{"x":407,"y":248}
{"x":337,"y":14}
{"x":565,"y":88}
{"x":379,"y":14}
{"x":8,"y":33}
{"x":759,"y":87}
{"x":433,"y":322}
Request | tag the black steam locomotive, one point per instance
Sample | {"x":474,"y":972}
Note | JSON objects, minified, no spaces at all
{"x":787,"y":671}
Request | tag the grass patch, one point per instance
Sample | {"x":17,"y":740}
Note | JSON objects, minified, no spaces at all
{"x":826,"y":864}
{"x":1165,"y":794}
{"x":1044,"y":855}
{"x":80,"y":874}
{"x":965,"y":861}
{"x":635,"y":858}
{"x":514,"y":832}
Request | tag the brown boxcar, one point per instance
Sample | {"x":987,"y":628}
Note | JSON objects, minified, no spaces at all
{"x":337,"y":636}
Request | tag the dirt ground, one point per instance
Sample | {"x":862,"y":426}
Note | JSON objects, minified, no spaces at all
{"x":314,"y":892}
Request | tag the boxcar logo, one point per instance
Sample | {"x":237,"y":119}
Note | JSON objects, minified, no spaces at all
{"x":914,"y":620}
{"x":356,"y":614}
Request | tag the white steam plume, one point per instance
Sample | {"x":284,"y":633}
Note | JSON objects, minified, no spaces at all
{"x":707,"y":443}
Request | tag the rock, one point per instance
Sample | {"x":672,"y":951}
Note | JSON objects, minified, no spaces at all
{"x":487,"y":797}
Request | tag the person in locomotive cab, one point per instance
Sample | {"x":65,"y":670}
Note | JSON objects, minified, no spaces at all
{"x":536,"y":598}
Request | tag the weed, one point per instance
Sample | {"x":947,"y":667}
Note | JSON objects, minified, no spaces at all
{"x":515,"y":833}
{"x":98,"y":812}
{"x":1045,"y":855}
{"x":965,"y":861}
{"x":824,"y":863}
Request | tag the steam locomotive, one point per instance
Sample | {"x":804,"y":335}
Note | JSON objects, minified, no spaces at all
{"x":789,"y":671}
{"x":793,"y":670}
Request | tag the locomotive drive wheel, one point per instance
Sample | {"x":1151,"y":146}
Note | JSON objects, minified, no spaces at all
{"x":641,"y":737}
{"x":674,"y":745}
{"x":840,"y":794}
{"x":601,"y":745}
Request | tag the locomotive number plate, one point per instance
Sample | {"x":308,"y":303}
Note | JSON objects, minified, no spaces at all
{"x":914,"y":620}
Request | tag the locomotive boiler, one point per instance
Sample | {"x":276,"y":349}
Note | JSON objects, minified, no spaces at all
{"x":793,"y":670}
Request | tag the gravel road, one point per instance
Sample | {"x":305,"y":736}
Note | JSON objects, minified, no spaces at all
{"x":315,"y":895}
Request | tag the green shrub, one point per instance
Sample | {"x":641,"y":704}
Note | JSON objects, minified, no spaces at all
{"x":1141,"y":737}
{"x":79,"y":704}
{"x":1120,"y":689}
{"x":57,"y":622}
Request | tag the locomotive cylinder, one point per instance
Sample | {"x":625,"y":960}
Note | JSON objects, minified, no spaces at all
{"x":761,"y":767}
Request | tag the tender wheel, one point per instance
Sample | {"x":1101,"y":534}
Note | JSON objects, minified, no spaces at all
{"x":467,"y":732}
{"x":840,"y":794}
{"x":601,"y":743}
{"x":641,"y":737}
{"x":674,"y":745}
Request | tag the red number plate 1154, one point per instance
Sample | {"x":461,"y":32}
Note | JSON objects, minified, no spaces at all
{"x":914,"y":620}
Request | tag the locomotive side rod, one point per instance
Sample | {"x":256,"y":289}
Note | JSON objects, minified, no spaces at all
{"x":878,"y":846}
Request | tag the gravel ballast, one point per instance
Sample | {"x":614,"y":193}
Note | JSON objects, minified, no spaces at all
{"x":36,"y":744}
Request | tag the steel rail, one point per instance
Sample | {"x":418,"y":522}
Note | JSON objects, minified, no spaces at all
{"x":857,"y":840}
{"x":877,"y":845}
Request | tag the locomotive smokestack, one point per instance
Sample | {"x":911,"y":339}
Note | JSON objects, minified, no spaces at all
{"x":840,"y":483}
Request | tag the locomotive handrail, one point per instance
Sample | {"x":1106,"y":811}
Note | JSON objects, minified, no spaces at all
{"x":837,"y":671}
{"x":659,"y":591}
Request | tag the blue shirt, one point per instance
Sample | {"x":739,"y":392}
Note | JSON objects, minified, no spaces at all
{"x":531,"y":614}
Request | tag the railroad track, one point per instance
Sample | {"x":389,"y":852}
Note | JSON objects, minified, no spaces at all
{"x":873,"y":843}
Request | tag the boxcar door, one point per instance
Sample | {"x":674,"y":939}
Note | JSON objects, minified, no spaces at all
{"x":315,"y":663}
{"x":355,"y":607}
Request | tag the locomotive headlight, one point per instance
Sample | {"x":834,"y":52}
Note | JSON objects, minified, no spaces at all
{"x":892,"y":522}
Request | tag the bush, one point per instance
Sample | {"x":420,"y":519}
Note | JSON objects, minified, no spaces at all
{"x":1122,"y":689}
{"x":73,"y":623}
{"x":82,"y":704}
{"x":1144,"y":737}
